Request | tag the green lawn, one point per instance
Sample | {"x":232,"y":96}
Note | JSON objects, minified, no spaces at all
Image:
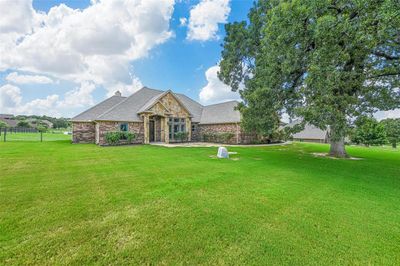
{"x":47,"y":136}
{"x":81,"y":204}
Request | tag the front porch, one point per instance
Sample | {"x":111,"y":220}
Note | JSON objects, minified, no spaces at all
{"x":162,"y":128}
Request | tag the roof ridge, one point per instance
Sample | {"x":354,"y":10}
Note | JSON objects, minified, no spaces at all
{"x":112,"y":108}
{"x":91,"y":108}
{"x":190,"y":99}
{"x":222,"y":103}
{"x":154,"y":99}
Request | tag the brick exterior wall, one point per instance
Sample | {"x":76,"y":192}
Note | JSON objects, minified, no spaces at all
{"x":220,"y":128}
{"x":239,"y":136}
{"x":134,"y":127}
{"x":83,"y":132}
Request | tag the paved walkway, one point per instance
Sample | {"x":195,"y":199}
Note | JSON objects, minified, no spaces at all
{"x":209,"y":144}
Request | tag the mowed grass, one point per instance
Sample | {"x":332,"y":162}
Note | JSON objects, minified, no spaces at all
{"x":47,"y":136}
{"x":81,"y":204}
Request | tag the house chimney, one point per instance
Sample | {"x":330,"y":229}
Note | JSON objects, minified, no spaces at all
{"x":117,"y":93}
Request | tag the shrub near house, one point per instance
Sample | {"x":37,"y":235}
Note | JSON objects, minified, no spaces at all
{"x":115,"y":138}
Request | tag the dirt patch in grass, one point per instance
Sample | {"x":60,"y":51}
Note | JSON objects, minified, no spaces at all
{"x":326,"y":155}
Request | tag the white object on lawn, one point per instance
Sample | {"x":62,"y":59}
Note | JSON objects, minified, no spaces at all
{"x":222,"y":153}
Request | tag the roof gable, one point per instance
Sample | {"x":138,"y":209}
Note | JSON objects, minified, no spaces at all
{"x":166,"y":101}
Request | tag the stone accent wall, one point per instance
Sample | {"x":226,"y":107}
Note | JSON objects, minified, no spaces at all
{"x":108,"y":126}
{"x":173,"y":106}
{"x":83,"y":132}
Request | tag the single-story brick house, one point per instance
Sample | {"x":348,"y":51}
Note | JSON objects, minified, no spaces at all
{"x":155,"y":116}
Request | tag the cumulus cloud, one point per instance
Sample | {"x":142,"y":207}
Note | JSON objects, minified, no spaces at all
{"x":70,"y":43}
{"x":14,"y":77}
{"x":78,"y":97}
{"x":11,"y":101}
{"x":215,"y":90}
{"x":94,"y":45}
{"x":10,"y":96}
{"x":205,"y":17}
{"x":17,"y":16}
{"x":125,"y":89}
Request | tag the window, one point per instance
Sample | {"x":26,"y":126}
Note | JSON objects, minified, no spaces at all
{"x":123,"y":127}
{"x":193,"y":128}
{"x":176,"y":125}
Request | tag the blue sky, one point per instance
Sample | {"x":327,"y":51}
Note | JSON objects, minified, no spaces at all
{"x":61,"y":57}
{"x":179,"y":61}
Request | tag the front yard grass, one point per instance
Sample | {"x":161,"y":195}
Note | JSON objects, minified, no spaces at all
{"x":82,"y":204}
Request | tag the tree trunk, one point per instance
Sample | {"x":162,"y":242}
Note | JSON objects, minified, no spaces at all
{"x":394,"y":145}
{"x":338,"y":149}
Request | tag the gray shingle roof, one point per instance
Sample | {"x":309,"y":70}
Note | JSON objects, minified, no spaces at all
{"x":220,"y":113}
{"x":127,"y":109}
{"x":94,"y":112}
{"x":194,"y":107}
{"x":309,"y":131}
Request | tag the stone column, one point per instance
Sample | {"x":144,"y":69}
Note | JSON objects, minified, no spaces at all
{"x":189,"y":127}
{"x":166,"y":129}
{"x":146,"y":128}
{"x":162,"y":125}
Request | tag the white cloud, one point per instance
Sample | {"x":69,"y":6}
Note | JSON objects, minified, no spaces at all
{"x":125,"y":89}
{"x":93,"y":46}
{"x":78,"y":97}
{"x":11,"y":101}
{"x":16,"y":16}
{"x":10,"y":96}
{"x":14,"y":77}
{"x":216,"y":91}
{"x":67,"y":43}
{"x":205,"y":17}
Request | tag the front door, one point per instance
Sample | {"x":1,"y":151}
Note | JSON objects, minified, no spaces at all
{"x":151,"y":130}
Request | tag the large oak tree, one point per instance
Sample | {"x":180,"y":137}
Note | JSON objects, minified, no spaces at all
{"x":327,"y":62}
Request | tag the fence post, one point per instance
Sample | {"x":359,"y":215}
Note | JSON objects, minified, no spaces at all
{"x":41,"y":136}
{"x":5,"y":133}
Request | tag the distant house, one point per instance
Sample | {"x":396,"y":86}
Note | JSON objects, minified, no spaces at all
{"x":156,"y":116}
{"x":34,"y":122}
{"x":310,"y":133}
{"x":9,"y":120}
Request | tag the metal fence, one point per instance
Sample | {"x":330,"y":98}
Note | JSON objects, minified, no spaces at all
{"x":31,"y":134}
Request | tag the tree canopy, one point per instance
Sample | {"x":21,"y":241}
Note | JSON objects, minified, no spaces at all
{"x":3,"y":124}
{"x":392,"y":128}
{"x":327,"y":62}
{"x":368,"y":131}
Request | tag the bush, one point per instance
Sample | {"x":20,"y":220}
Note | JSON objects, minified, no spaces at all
{"x":114,"y":138}
{"x":41,"y":128}
{"x":23,"y":123}
{"x":181,"y":136}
